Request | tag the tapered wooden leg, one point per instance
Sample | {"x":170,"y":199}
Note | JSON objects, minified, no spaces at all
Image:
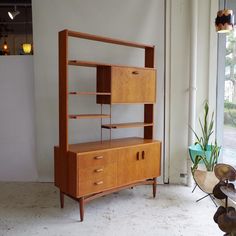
{"x":62,"y":199}
{"x":81,"y":208}
{"x":154,"y":187}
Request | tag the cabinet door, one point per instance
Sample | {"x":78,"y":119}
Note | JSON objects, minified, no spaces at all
{"x":149,"y":164}
{"x":127,"y":166}
{"x":133,"y":85}
{"x":138,"y":163}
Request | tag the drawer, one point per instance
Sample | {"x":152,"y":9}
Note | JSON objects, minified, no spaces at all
{"x":95,"y":159}
{"x":100,"y":184}
{"x":133,"y":85}
{"x":97,"y":172}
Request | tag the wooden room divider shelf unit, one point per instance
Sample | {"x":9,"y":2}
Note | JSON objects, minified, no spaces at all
{"x":86,"y":171}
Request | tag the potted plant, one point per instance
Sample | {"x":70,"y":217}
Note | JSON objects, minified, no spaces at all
{"x":203,"y":152}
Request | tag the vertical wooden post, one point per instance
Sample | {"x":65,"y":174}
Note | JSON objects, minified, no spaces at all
{"x":148,"y":108}
{"x":150,"y":57}
{"x":63,"y":85}
{"x":63,"y":107}
{"x":148,"y":118}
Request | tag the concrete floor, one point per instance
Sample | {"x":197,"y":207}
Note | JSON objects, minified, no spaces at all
{"x":33,"y":209}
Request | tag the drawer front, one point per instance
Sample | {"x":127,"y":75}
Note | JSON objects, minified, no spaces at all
{"x":132,"y":85}
{"x":97,"y":172}
{"x":95,"y":159}
{"x":100,"y":184}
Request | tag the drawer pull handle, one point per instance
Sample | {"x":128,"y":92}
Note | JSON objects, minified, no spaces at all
{"x":137,"y":156}
{"x":98,"y":157}
{"x":135,"y":72}
{"x":99,"y":170}
{"x":98,"y":183}
{"x":143,"y":154}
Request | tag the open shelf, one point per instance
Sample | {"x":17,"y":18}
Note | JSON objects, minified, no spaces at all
{"x":95,"y":64}
{"x":88,"y":93}
{"x":88,"y":116}
{"x":126,"y":125}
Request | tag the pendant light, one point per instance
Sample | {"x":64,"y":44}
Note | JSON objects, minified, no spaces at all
{"x":26,"y":46}
{"x":224,"y":21}
{"x":5,"y":47}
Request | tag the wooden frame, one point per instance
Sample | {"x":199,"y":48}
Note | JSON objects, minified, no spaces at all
{"x":63,"y":79}
{"x":65,"y":159}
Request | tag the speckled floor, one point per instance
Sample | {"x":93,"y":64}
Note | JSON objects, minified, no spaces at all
{"x":30,"y":209}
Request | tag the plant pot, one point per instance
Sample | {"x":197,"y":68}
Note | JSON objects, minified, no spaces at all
{"x":196,"y":150}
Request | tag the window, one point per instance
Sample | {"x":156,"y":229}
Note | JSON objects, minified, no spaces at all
{"x":16,"y":27}
{"x":226,"y":108}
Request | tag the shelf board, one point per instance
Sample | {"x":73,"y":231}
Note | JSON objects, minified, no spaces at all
{"x":89,"y":93}
{"x":126,"y":125}
{"x":108,"y":40}
{"x":89,"y":116}
{"x":95,"y":64}
{"x":109,"y":144}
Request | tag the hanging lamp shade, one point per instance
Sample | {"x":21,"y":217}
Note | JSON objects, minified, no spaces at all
{"x":27,"y":48}
{"x":5,"y":46}
{"x":224,"y":21}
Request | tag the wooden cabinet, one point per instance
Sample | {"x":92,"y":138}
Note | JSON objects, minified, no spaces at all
{"x":85,"y":171}
{"x":121,"y":162}
{"x":126,"y":85}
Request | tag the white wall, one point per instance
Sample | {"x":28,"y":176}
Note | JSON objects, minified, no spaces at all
{"x":134,"y":20}
{"x":178,"y":91}
{"x":178,"y":30}
{"x":137,"y":20}
{"x":17,"y":136}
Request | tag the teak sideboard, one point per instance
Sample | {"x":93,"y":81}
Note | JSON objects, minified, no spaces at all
{"x":89,"y":170}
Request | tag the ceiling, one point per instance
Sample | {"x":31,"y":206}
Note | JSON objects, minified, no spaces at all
{"x":21,"y":24}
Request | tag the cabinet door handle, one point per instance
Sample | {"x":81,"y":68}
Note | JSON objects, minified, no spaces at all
{"x":137,"y":156}
{"x":143,"y":155}
{"x":98,"y":157}
{"x":98,"y":183}
{"x":135,"y":72}
{"x":98,"y":170}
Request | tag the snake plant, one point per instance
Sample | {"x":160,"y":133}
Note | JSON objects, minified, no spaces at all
{"x":203,"y":141}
